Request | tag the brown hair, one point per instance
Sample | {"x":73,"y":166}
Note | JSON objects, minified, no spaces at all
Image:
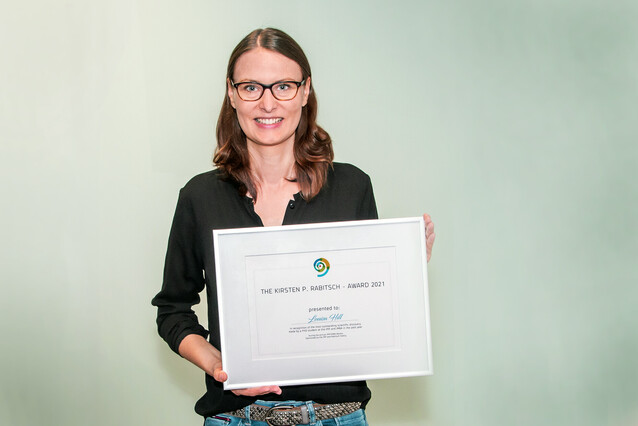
{"x":313,"y":146}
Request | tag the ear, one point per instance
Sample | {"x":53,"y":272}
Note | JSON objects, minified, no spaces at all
{"x":231,"y":94}
{"x":306,"y":92}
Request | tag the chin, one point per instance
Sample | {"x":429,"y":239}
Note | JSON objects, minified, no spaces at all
{"x":272,"y":141}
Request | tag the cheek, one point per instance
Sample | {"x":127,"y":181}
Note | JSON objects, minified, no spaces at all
{"x":231,"y":97}
{"x":242,"y":114}
{"x":297,"y":118}
{"x":297,"y":115}
{"x":295,"y":110}
{"x":244,"y":121}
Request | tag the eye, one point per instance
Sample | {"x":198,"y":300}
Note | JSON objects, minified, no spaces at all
{"x":282,"y":87}
{"x":249,"y":87}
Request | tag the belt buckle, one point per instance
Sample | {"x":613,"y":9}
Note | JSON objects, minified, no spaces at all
{"x":269,"y":414}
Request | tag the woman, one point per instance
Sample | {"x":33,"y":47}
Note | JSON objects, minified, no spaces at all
{"x":274,"y":167}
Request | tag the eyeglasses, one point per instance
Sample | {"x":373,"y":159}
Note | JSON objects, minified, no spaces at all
{"x":282,"y":90}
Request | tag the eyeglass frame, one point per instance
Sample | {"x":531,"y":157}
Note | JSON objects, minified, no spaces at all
{"x":268,"y":87}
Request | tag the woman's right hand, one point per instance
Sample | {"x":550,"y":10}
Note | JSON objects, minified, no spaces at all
{"x":197,"y":350}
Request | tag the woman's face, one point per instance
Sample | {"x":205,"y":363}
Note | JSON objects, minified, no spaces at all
{"x":267,"y":121}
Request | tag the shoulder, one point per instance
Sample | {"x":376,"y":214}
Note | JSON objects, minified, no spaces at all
{"x":208,"y":184}
{"x":347,"y":195}
{"x":348,"y":173}
{"x":347,"y":180}
{"x":348,"y":177}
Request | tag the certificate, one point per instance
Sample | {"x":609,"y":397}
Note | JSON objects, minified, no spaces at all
{"x":323,"y":303}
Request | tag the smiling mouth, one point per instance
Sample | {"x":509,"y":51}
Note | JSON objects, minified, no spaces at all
{"x":268,"y":120}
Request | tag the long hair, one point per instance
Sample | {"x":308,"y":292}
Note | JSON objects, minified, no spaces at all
{"x":312,"y":147}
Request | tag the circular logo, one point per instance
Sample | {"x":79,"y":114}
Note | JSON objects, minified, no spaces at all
{"x":322,"y":266}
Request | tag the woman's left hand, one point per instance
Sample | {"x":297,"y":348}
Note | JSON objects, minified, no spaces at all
{"x":429,"y":235}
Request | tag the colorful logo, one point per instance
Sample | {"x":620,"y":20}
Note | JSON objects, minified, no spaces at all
{"x":322,"y":266}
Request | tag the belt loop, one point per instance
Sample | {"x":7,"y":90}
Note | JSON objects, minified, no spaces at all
{"x":308,"y":412}
{"x":305,"y":419}
{"x":247,"y":415}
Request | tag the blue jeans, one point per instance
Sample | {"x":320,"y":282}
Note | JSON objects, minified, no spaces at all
{"x":358,"y":418}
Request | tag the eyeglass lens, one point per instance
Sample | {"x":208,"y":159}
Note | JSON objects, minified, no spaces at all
{"x":283,"y":91}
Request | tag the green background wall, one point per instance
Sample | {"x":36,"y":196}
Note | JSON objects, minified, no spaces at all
{"x":513,"y":123}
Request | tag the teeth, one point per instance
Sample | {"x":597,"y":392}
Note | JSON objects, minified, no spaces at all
{"x":268,"y":120}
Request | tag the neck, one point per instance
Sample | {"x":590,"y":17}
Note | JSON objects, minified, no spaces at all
{"x":272,"y":165}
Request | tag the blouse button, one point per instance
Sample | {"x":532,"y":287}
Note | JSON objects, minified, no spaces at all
{"x":291,"y":204}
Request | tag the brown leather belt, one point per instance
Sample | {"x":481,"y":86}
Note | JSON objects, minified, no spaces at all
{"x":287,"y":415}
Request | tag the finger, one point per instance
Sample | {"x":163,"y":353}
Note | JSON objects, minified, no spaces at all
{"x":429,"y":227}
{"x":262,"y":390}
{"x":220,"y":375}
{"x":428,"y":245}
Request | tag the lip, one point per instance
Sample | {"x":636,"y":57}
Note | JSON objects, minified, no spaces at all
{"x":268,"y":122}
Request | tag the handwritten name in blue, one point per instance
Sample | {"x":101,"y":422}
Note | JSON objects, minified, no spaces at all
{"x":317,"y":318}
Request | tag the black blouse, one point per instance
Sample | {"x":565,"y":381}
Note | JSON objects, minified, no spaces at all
{"x":210,"y":202}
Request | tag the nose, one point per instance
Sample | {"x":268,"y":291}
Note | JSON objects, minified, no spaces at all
{"x":267,"y":101}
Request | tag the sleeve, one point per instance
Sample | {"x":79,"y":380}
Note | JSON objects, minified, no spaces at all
{"x":367,"y":207}
{"x":183,"y":279}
